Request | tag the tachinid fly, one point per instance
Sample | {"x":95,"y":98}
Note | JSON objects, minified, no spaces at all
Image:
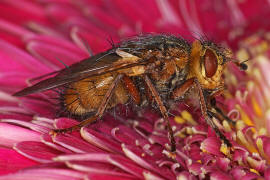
{"x":149,"y":70}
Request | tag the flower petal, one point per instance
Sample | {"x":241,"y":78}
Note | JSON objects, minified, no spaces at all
{"x":36,"y":151}
{"x":99,"y":140}
{"x":44,"y":174}
{"x":10,"y":134}
{"x":12,"y":161}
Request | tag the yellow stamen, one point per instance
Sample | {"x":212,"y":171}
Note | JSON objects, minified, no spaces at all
{"x":179,"y":119}
{"x":256,"y":107}
{"x":244,"y":116}
{"x":262,"y":131}
{"x":259,"y":144}
{"x":254,"y":171}
{"x":226,"y":126}
{"x":240,"y":124}
{"x":253,"y":163}
{"x":224,"y":149}
{"x":187,"y":116}
{"x":241,"y":137}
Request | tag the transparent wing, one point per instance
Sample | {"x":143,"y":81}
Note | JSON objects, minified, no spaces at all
{"x":93,"y":66}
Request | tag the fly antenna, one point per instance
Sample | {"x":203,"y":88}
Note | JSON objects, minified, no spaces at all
{"x":242,"y":65}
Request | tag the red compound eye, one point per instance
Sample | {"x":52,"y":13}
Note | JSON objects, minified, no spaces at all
{"x":210,"y":63}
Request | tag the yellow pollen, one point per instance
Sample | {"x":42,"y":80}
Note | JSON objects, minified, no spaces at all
{"x":187,"y":116}
{"x":224,"y":149}
{"x":179,"y":119}
{"x":203,"y":150}
{"x":254,"y":171}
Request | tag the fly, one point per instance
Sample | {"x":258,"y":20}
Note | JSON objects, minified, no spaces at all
{"x":167,"y":67}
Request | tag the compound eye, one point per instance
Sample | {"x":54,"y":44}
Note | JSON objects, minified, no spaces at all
{"x":210,"y":63}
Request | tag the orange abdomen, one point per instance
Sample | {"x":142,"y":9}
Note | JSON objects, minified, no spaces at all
{"x":86,"y":95}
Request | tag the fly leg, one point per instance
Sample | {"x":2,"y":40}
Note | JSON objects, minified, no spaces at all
{"x":99,"y":113}
{"x":207,"y":116}
{"x":162,"y":109}
{"x":218,"y":112}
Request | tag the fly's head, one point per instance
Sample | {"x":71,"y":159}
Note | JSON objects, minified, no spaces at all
{"x":207,"y":64}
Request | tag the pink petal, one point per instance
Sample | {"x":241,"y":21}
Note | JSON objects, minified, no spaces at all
{"x":57,"y":42}
{"x":105,"y":20}
{"x":44,"y":174}
{"x":31,"y":12}
{"x":145,"y":160}
{"x":38,"y":107}
{"x":75,"y":144}
{"x":250,"y":176}
{"x":60,"y":13}
{"x":99,"y":140}
{"x":62,"y":123}
{"x":10,"y":134}
{"x":127,"y":166}
{"x":96,"y":43}
{"x":212,"y":145}
{"x":13,"y":33}
{"x":218,"y":175}
{"x":29,"y":125}
{"x":105,"y":177}
{"x":267,"y":174}
{"x":16,"y":81}
{"x":47,"y":139}
{"x":117,"y":160}
{"x":11,"y":161}
{"x":52,"y":54}
{"x":36,"y":151}
{"x":13,"y":59}
{"x":97,"y":168}
{"x":124,"y":134}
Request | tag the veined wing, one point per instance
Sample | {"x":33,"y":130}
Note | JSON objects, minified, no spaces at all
{"x":109,"y":61}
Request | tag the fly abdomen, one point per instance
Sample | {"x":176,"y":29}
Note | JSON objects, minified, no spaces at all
{"x":85,"y":96}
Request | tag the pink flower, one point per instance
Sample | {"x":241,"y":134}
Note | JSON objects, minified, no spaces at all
{"x":35,"y":34}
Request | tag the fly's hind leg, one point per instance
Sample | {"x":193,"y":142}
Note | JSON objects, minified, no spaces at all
{"x":99,"y":113}
{"x":162,"y":109}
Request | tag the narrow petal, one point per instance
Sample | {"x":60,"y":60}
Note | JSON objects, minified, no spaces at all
{"x":44,"y":174}
{"x":11,"y":161}
{"x":10,"y":134}
{"x":36,"y":151}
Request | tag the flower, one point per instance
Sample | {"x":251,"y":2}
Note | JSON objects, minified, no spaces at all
{"x":35,"y":34}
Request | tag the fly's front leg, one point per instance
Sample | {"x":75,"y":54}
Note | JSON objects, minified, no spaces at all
{"x":206,"y":115}
{"x":99,"y":113}
{"x":162,"y":109}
